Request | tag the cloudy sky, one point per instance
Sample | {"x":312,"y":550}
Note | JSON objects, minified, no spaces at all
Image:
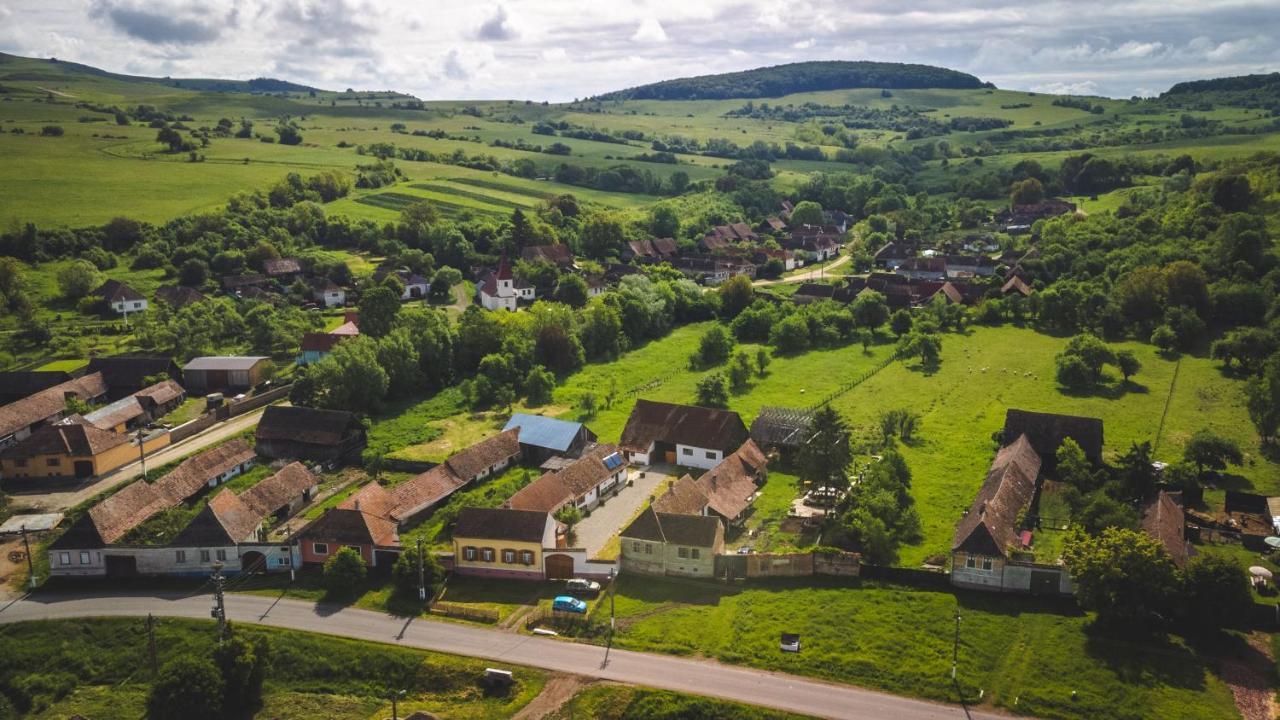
{"x":561,"y":49}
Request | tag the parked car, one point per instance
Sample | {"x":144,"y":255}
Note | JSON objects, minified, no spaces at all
{"x":581,"y":586}
{"x":822,"y":497}
{"x":567,"y":603}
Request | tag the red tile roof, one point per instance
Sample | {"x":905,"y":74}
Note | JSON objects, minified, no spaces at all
{"x":49,"y":402}
{"x":991,"y":525}
{"x":273,"y":493}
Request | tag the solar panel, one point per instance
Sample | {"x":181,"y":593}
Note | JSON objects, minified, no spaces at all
{"x":612,"y":461}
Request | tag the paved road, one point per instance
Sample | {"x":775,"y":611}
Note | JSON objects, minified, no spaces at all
{"x":807,"y":276}
{"x":757,"y":687}
{"x":69,"y":495}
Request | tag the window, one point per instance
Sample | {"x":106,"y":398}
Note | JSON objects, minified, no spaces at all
{"x":84,"y":557}
{"x":509,"y":557}
{"x":986,"y":564}
{"x":469,"y":553}
{"x":648,"y":549}
{"x":693,"y":553}
{"x":969,"y":562}
{"x":683,"y":552}
{"x":282,"y":561}
{"x":687,"y":451}
{"x":635,"y":546}
{"x":64,"y":558}
{"x":320,"y":548}
{"x":53,"y":461}
{"x":486,"y":554}
{"x":180,"y":556}
{"x":221,"y":555}
{"x":526,"y":557}
{"x":204,"y":556}
{"x":711,"y":455}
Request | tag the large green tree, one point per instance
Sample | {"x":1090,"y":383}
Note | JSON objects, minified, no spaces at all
{"x":378,"y":308}
{"x":189,"y":688}
{"x":1126,"y":576}
{"x":827,"y":453}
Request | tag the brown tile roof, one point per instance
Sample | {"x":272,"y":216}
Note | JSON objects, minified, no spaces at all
{"x":1016,"y":284}
{"x":225,"y":519}
{"x":683,"y":497}
{"x":178,"y":296}
{"x":1046,"y":431}
{"x":238,"y":282}
{"x":485,"y":454}
{"x":281,"y":266}
{"x":127,"y":509}
{"x":665,"y":247}
{"x":991,"y":525}
{"x":74,"y":439}
{"x":689,"y":530}
{"x":195,"y":472}
{"x":320,"y":342}
{"x":641,"y":248}
{"x":372,"y":499}
{"x":556,"y":254}
{"x":652,"y":421}
{"x":424,"y":490}
{"x":348,"y":526}
{"x":49,"y":402}
{"x":952,"y":293}
{"x":303,"y":424}
{"x":1164,"y":519}
{"x":165,"y":391}
{"x":273,"y":493}
{"x":501,"y":524}
{"x":114,"y":290}
{"x":546,"y":494}
{"x":731,"y":486}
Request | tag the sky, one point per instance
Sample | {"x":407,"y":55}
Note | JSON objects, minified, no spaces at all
{"x":559,"y":50}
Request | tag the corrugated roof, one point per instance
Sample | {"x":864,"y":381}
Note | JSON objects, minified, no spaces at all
{"x":544,"y":432}
{"x":224,"y":362}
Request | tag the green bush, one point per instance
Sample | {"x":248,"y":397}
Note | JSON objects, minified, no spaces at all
{"x":189,"y":688}
{"x":344,"y":572}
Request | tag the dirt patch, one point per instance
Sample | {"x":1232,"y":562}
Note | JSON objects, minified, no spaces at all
{"x":558,"y":690}
{"x":11,"y":573}
{"x":1248,"y":675}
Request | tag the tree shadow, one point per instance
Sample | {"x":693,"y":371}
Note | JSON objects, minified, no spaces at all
{"x":1144,"y":659}
{"x":1106,"y":390}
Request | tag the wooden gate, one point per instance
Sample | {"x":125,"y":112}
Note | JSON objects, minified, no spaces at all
{"x":558,"y":567}
{"x":1044,"y":582}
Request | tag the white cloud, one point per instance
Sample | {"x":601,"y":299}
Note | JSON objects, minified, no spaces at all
{"x":650,"y":31}
{"x":1083,"y":87}
{"x":804,"y":44}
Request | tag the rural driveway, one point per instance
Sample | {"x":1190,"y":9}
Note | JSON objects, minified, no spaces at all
{"x":69,"y":495}
{"x":807,"y":276}
{"x":594,"y":532}
{"x":699,"y":677}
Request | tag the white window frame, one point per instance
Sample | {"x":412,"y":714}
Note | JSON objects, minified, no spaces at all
{"x":468,"y":553}
{"x":180,"y":556}
{"x":64,"y":558}
{"x":526,"y":557}
{"x":320,"y":548}
{"x":204,"y":556}
{"x":487,"y":554}
{"x":84,"y":557}
{"x":509,"y":556}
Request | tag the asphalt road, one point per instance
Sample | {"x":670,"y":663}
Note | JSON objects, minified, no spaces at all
{"x":813,"y":274}
{"x":699,"y":677}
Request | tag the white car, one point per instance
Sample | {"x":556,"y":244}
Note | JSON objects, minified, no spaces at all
{"x":582,"y":585}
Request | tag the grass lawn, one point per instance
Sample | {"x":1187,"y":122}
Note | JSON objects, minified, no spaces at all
{"x":71,"y":365}
{"x":489,"y":492}
{"x":763,"y":531}
{"x":190,"y":409}
{"x":310,"y":675}
{"x":1027,"y":656}
{"x":621,"y":702}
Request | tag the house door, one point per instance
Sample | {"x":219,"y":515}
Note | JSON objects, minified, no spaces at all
{"x":1044,"y":582}
{"x":121,"y":566}
{"x":253,"y":562}
{"x":559,"y":567}
{"x":84,"y":469}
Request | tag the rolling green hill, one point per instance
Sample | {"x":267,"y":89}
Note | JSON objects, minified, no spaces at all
{"x":797,"y":78}
{"x":13,"y":67}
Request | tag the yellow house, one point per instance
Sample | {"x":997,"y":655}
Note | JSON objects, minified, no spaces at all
{"x":500,"y":542}
{"x":73,"y":450}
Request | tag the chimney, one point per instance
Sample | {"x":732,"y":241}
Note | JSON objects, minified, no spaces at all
{"x":357,"y":506}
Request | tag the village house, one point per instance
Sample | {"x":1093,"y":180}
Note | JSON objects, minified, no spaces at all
{"x":733,"y":233}
{"x":121,"y":298}
{"x":923,"y":268}
{"x":227,"y":373}
{"x":1016,"y":284}
{"x":73,"y":448}
{"x":361,"y":522}
{"x":891,"y":255}
{"x":20,"y":418}
{"x":328,"y":293}
{"x":282,"y":270}
{"x":415,"y":286}
{"x":282,"y":494}
{"x":302,"y":433}
{"x":558,"y":254}
{"x":1046,"y":431}
{"x":683,"y":497}
{"x":772,"y":225}
{"x":686,"y":435}
{"x":542,"y":438}
{"x":178,"y":296}
{"x":583,"y":483}
{"x":143,"y":407}
{"x":659,"y":543}
{"x":127,"y":374}
{"x":502,"y":542}
{"x":500,"y":290}
{"x":238,"y":284}
{"x":732,"y":485}
{"x":1164,"y":519}
{"x":317,"y":346}
{"x":651,"y":250}
{"x":79,"y":551}
{"x":423,"y":492}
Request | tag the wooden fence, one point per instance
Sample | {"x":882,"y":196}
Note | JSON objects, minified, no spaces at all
{"x":465,"y":612}
{"x":908,"y":576}
{"x":851,"y":384}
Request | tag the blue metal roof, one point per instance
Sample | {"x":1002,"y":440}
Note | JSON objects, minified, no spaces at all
{"x":544,"y":432}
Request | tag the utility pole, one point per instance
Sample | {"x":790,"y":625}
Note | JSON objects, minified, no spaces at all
{"x":955,"y":648}
{"x":422,"y":585}
{"x":609,"y":646}
{"x":151,"y":644}
{"x":288,"y":540}
{"x":219,"y":611}
{"x":31,"y":568}
{"x":395,"y":703}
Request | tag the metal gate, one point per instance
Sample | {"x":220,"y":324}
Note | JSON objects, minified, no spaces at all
{"x":1044,"y":582}
{"x":121,"y":566}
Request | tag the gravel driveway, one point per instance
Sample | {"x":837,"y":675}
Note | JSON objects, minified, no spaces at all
{"x":606,"y":520}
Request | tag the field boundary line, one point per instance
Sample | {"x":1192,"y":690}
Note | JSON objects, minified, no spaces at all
{"x":1168,"y":400}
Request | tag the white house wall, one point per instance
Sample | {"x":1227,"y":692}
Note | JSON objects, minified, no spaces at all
{"x":697,"y":457}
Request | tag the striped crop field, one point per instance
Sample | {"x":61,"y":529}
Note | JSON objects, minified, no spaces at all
{"x":397,"y":201}
{"x":503,"y":187}
{"x":524,"y":203}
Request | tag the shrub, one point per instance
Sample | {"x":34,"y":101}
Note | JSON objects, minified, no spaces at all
{"x":189,"y":688}
{"x":344,"y":572}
